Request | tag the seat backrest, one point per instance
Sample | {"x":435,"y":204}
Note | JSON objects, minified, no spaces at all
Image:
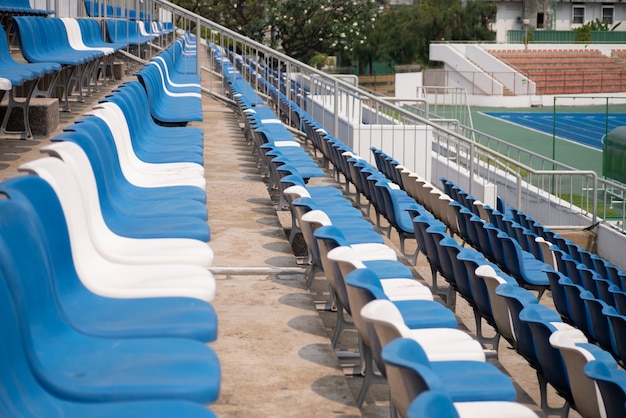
{"x":612,"y":384}
{"x":94,"y":8}
{"x":599,"y":326}
{"x":386,"y":320}
{"x":408,"y":372}
{"x":432,"y":404}
{"x":513,"y":256}
{"x":542,"y":322}
{"x":572,"y":271}
{"x":24,"y":264}
{"x":517,"y":299}
{"x":579,"y":314}
{"x":559,"y":296}
{"x":22,"y":394}
{"x":479,"y":288}
{"x":499,"y":307}
{"x":497,"y":251}
{"x":576,"y":353}
{"x":618,"y":329}
{"x":37,"y":199}
{"x":436,"y":236}
{"x":461,"y":277}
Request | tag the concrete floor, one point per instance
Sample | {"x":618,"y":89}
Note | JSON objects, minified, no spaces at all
{"x":273,"y":343}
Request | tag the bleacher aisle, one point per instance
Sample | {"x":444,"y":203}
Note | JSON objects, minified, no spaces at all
{"x":274,"y":351}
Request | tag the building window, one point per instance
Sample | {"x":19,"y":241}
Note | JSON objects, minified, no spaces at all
{"x":607,"y":14}
{"x":540,"y":20}
{"x":578,"y":14}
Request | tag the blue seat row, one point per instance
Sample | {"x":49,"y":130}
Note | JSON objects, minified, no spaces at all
{"x":126,"y":31}
{"x":170,"y":104}
{"x":22,"y":8}
{"x":97,"y":9}
{"x":80,"y":304}
{"x":276,"y":148}
{"x":17,"y":74}
{"x":526,"y":229}
{"x":79,"y":66}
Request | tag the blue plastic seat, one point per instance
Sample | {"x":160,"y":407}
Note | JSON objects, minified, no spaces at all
{"x":600,"y":328}
{"x":123,"y":224}
{"x":78,"y":65}
{"x":19,"y":74}
{"x":578,"y":311}
{"x":559,"y":296}
{"x":396,"y":203}
{"x":125,"y":32}
{"x":543,"y":322}
{"x":189,"y":156}
{"x":456,"y":254}
{"x":617,"y":328}
{"x":518,"y":298}
{"x":441,"y":263}
{"x":22,"y":7}
{"x":417,"y":313}
{"x":464,"y":381}
{"x":24,"y":395}
{"x":85,"y":368}
{"x":439,"y":404}
{"x":91,"y":313}
{"x":620,"y":300}
{"x":612,"y":384}
{"x":113,"y":194}
{"x":166,"y":107}
{"x":480,"y":294}
{"x":95,"y":138}
{"x":524,"y":266}
{"x":92,"y":35}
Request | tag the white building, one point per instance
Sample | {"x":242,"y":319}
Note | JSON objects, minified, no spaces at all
{"x":555,"y":15}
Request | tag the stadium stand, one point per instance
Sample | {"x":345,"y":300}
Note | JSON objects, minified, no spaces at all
{"x":113,"y":220}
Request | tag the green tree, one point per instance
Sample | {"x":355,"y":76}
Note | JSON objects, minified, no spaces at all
{"x":404,"y":34}
{"x":582,"y":34}
{"x":334,"y":27}
{"x":248,"y":17}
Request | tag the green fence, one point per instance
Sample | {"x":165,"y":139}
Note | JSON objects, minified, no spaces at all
{"x":563,"y":37}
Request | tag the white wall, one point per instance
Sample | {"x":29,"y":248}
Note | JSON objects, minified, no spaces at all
{"x":407,"y":84}
{"x":468,"y":75}
{"x":508,"y":17}
{"x":409,"y":144}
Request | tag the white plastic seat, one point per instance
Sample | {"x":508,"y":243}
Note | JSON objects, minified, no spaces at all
{"x":396,"y":289}
{"x":577,"y":352}
{"x":183,"y":173}
{"x":78,"y":194}
{"x":165,"y":69}
{"x":114,"y":279}
{"x":75,"y":37}
{"x":499,"y":307}
{"x":171,"y":93}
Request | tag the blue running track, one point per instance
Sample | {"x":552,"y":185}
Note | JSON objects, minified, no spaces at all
{"x":584,"y":128}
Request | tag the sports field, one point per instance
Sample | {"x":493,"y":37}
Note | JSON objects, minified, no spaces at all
{"x":582,"y":128}
{"x":579,"y":131}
